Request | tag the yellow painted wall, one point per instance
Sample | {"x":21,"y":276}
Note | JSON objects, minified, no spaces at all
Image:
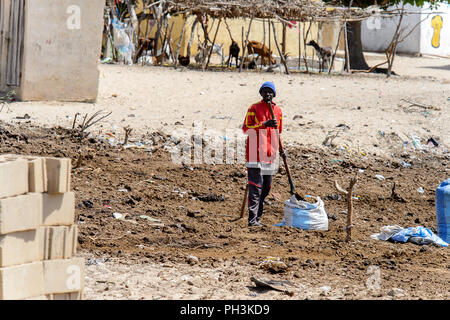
{"x":327,"y":34}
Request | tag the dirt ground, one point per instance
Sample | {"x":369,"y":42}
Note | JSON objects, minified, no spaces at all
{"x":178,"y":237}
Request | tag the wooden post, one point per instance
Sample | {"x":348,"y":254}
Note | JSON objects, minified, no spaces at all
{"x":168,"y":40}
{"x":242,"y":46}
{"x":313,"y":55}
{"x":179,"y":42}
{"x":347,"y":57}
{"x":299,"y":46}
{"x":264,"y":40}
{"x":158,"y":31}
{"x":349,"y":194}
{"x":283,"y":60}
{"x":191,"y":38}
{"x":305,"y":37}
{"x":245,"y":46}
{"x":212,"y":46}
{"x":330,"y":67}
{"x":270,"y":43}
{"x":318,"y":42}
{"x":283,"y":44}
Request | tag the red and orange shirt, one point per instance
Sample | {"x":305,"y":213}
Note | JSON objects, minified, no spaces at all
{"x":262,"y":143}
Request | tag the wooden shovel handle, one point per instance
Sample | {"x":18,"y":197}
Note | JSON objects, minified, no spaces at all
{"x":283,"y":155}
{"x":244,"y":202}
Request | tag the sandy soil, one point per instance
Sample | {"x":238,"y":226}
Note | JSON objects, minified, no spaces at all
{"x":157,"y":98}
{"x":141,"y":258}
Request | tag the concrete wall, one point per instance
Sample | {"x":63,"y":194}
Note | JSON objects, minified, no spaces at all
{"x":62,"y":47}
{"x":376,"y":32}
{"x":435,"y":32}
{"x":432,"y":36}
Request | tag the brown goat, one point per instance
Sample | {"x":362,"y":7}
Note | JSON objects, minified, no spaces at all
{"x":255,"y":47}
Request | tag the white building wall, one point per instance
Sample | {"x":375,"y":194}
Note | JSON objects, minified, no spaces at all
{"x":435,"y":31}
{"x":376,"y":33}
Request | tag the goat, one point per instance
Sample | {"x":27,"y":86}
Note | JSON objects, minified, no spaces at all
{"x":262,"y":51}
{"x":234,"y":53}
{"x":324,"y":53}
{"x":160,"y":58}
{"x":184,"y":61}
{"x":145,"y":45}
{"x":203,"y":52}
{"x":250,"y":61}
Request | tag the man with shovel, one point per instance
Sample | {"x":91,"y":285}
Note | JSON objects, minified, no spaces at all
{"x":261,"y":149}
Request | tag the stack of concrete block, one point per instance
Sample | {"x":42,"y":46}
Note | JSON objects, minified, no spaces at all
{"x":38,"y":237}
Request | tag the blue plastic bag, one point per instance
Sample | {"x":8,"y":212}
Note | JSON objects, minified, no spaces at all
{"x":419,"y":235}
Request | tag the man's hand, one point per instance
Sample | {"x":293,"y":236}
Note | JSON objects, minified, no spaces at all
{"x":271,"y":123}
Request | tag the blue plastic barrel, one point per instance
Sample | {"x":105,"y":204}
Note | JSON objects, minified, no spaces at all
{"x":443,"y":210}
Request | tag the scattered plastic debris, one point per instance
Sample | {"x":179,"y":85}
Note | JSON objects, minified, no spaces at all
{"x":117,"y":215}
{"x":379,"y":177}
{"x":416,"y":142}
{"x":100,"y":261}
{"x":432,"y":142}
{"x":417,"y":235}
{"x":88,"y":203}
{"x":405,"y":164}
{"x":420,"y":190}
{"x":192,"y":259}
{"x":396,"y":292}
{"x":324,"y":290}
{"x":149,"y":218}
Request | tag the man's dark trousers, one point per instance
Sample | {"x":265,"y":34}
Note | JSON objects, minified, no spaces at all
{"x":259,"y":185}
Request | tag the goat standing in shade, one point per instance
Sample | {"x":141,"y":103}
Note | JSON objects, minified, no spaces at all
{"x":324,"y":54}
{"x":234,"y":53}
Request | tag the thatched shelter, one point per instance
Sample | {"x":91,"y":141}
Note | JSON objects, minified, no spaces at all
{"x":284,"y":10}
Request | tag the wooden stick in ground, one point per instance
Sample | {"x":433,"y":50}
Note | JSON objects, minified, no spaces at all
{"x":264,"y":40}
{"x":283,"y":60}
{"x":314,"y":54}
{"x":413,"y":103}
{"x":244,"y":49}
{"x":321,"y":61}
{"x":242,"y":45}
{"x":212,"y":46}
{"x":299,"y":46}
{"x":305,"y":37}
{"x":349,"y":194}
{"x":169,"y":41}
{"x":347,"y":56}
{"x":244,"y":202}
{"x":270,"y":43}
{"x":127,"y":134}
{"x":179,"y":43}
{"x":335,"y":50}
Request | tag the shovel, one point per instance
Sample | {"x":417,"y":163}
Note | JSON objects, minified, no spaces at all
{"x":283,"y":155}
